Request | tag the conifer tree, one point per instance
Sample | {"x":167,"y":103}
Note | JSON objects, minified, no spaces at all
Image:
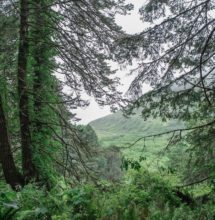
{"x":73,"y":39}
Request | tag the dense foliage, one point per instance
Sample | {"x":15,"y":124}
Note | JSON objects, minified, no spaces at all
{"x":143,"y":196}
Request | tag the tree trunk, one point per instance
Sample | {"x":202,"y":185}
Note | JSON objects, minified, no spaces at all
{"x":39,"y":59}
{"x":29,"y":169}
{"x":11,"y":175}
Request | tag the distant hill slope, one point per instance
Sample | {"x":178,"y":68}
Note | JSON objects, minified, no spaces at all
{"x":117,"y":130}
{"x":117,"y":124}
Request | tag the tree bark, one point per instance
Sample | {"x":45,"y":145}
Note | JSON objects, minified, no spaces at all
{"x":39,"y":59}
{"x":11,"y":174}
{"x":29,"y":169}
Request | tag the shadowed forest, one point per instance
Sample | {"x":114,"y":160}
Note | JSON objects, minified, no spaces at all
{"x":153,"y":158}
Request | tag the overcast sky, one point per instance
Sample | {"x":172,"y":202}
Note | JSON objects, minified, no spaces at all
{"x":131,"y":24}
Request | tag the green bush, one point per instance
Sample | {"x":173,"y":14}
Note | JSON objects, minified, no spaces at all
{"x":142,"y":195}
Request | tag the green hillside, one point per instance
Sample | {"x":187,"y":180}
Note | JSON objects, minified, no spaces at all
{"x":117,"y":130}
{"x":117,"y":124}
